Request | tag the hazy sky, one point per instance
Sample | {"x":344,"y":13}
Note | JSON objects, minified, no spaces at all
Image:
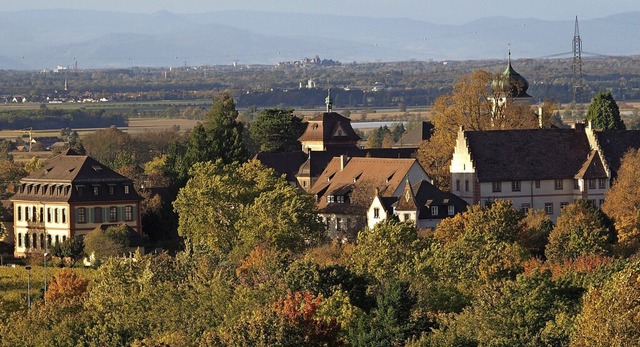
{"x":450,"y":11}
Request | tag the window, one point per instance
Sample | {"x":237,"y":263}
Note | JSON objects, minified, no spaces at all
{"x":515,"y":186}
{"x":64,"y":215}
{"x":376,"y":213}
{"x":434,"y":210}
{"x":56,"y":215}
{"x":96,"y":190}
{"x":97,"y":214}
{"x":340,"y":199}
{"x":563,"y":205}
{"x":592,"y":183}
{"x":466,"y":185}
{"x":407,"y":217}
{"x":42,"y":245}
{"x":593,"y":202}
{"x":48,"y":214}
{"x":525,"y":207}
{"x":82,"y":215}
{"x":128,"y":213}
{"x":19,"y":212}
{"x":330,"y":199}
{"x":304,"y":184}
{"x":19,"y":239}
{"x":576,"y":184}
{"x":126,"y":189}
{"x":537,"y":183}
{"x":27,"y":240}
{"x":458,"y":185}
{"x":113,"y":214}
{"x":64,"y":238}
{"x":339,"y":224}
{"x":548,"y":207}
{"x":48,"y":240}
{"x":41,"y":214}
{"x":496,"y":187}
{"x":57,"y":239}
{"x":110,"y":190}
{"x":601,"y":202}
{"x":451,"y":210}
{"x":557,"y":184}
{"x":602,"y":183}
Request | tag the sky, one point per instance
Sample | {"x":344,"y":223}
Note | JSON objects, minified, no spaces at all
{"x":436,"y":11}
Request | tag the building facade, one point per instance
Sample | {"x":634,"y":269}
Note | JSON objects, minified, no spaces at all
{"x":69,"y":196}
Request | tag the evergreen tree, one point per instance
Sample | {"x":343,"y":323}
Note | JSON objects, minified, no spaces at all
{"x":604,"y":112}
{"x":276,"y":130}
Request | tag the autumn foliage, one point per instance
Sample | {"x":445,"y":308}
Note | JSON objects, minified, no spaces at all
{"x":65,"y":284}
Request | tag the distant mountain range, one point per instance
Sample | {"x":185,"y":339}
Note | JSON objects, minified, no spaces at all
{"x":47,"y":38}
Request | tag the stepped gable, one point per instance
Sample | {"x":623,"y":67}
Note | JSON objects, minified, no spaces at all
{"x":615,"y":143}
{"x":533,"y":154}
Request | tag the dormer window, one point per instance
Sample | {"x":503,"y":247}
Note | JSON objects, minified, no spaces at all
{"x":330,"y":199}
{"x":111,"y":188}
{"x":340,"y":199}
{"x":434,"y":210}
{"x":96,"y":190}
{"x":126,"y":189}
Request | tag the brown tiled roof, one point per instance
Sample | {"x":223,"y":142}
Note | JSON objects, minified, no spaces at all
{"x":384,"y":174}
{"x":406,"y":201}
{"x":412,"y":138}
{"x":507,"y":155}
{"x":615,"y":143}
{"x":71,"y":171}
{"x":593,"y":167}
{"x":321,"y":128}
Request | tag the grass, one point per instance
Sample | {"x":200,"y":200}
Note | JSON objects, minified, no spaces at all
{"x":13,"y":285}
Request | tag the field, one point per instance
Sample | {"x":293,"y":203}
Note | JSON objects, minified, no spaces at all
{"x":13,"y":285}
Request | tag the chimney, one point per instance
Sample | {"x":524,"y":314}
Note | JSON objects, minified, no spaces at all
{"x":343,"y":161}
{"x":578,"y":126}
{"x":540,"y":112}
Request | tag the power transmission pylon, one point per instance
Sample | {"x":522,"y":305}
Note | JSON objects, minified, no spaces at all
{"x":578,"y":82}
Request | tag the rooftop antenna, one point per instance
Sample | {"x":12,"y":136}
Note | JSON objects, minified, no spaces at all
{"x":578,"y":83}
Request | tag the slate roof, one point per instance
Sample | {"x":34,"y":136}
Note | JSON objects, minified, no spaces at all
{"x":615,"y":143}
{"x":412,"y":138}
{"x":426,"y":195}
{"x":532,"y":154}
{"x":287,"y":163}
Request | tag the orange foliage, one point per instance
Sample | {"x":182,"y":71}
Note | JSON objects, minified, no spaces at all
{"x":65,"y":284}
{"x":299,"y":310}
{"x":586,"y":264}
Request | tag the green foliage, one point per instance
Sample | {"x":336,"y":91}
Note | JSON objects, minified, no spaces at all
{"x":111,"y":242}
{"x":604,"y":112}
{"x":71,"y":248}
{"x":112,"y":147}
{"x":276,"y":130}
{"x":582,"y":229}
{"x":247,"y":203}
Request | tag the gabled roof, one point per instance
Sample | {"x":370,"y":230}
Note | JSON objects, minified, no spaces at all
{"x":407,"y":201}
{"x":427,"y":195}
{"x":533,"y":154}
{"x":330,"y":127}
{"x":360,"y":173}
{"x":615,"y":143}
{"x":412,"y":138}
{"x":592,"y":168}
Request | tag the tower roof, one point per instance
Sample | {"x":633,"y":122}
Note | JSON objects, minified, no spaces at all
{"x":511,"y":83}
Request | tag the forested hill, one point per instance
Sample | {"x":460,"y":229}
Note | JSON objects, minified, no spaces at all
{"x":48,"y":38}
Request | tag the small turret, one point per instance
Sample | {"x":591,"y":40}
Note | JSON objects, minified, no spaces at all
{"x":328,"y":101}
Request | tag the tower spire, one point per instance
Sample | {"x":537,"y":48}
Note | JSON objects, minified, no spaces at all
{"x":328,"y":101}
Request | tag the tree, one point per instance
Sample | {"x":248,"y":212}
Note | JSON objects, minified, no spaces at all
{"x":622,"y":202}
{"x":536,"y":227}
{"x":604,"y":112}
{"x":610,"y":313}
{"x":65,"y":284}
{"x":71,"y":248}
{"x":276,"y":130}
{"x":469,"y":105}
{"x":112,"y":242}
{"x":112,"y":147}
{"x":582,"y":229}
{"x":214,"y":198}
{"x":224,"y":132}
